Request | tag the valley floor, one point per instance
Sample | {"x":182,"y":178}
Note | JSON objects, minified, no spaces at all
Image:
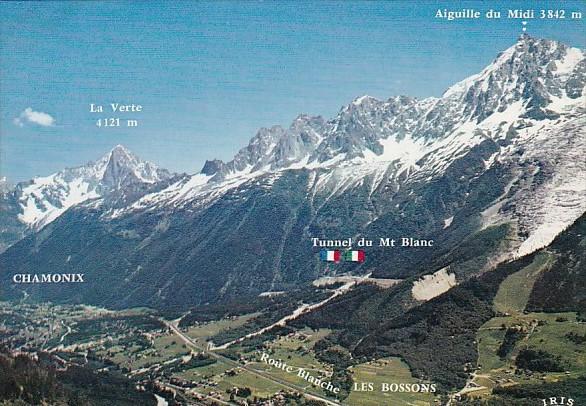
{"x":176,"y":362}
{"x":181,"y":365}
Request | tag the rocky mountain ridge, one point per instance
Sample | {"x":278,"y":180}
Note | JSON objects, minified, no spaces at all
{"x":489,"y":171}
{"x":118,"y":178}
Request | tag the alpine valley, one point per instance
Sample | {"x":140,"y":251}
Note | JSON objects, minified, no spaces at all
{"x":493,"y":172}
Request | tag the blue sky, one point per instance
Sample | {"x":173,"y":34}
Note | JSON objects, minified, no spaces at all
{"x":209,"y":74}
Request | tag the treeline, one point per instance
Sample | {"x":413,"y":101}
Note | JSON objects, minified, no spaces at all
{"x":271,"y":310}
{"x":242,"y":306}
{"x":282,"y":305}
{"x":196,"y":361}
{"x":340,"y":358}
{"x":23,"y":379}
{"x":538,"y":361}
{"x":512,"y":336}
{"x":437,"y":338}
{"x":533,"y":394}
{"x":88,"y":329}
{"x":212,"y":312}
{"x":28,"y":381}
{"x":576,"y":338}
{"x":562,"y":287}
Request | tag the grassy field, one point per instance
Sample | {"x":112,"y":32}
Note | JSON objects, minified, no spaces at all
{"x":203,"y":332}
{"x":490,"y":339}
{"x":552,"y":337}
{"x":542,"y":331}
{"x":260,"y":387}
{"x":514,"y":292}
{"x":546,"y":331}
{"x":294,"y":351}
{"x":164,"y":348}
{"x":389,"y":370}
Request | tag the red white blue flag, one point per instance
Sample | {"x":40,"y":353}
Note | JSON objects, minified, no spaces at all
{"x":330,"y":255}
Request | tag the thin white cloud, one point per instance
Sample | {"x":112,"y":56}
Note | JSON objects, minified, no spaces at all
{"x":28,"y":115}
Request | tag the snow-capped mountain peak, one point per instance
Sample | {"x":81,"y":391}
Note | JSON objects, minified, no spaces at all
{"x":43,"y":199}
{"x":495,"y":163}
{"x":517,"y":103}
{"x":513,"y":111}
{"x":534,"y":79}
{"x":532,"y":71}
{"x":120,"y":166}
{"x":272,"y":148}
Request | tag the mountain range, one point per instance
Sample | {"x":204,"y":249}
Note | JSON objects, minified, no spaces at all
{"x":491,"y":171}
{"x":118,"y":178}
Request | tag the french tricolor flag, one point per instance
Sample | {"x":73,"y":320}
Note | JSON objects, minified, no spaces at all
{"x":330,"y":256}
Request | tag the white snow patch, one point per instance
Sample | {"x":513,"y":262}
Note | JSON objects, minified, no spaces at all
{"x":541,"y":237}
{"x":358,"y":101}
{"x":572,"y":58}
{"x":563,"y":104}
{"x":448,"y":222}
{"x":461,"y":86}
{"x":407,"y":150}
{"x":69,"y":194}
{"x":563,"y":205}
{"x":30,"y":211}
{"x":512,"y":113}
